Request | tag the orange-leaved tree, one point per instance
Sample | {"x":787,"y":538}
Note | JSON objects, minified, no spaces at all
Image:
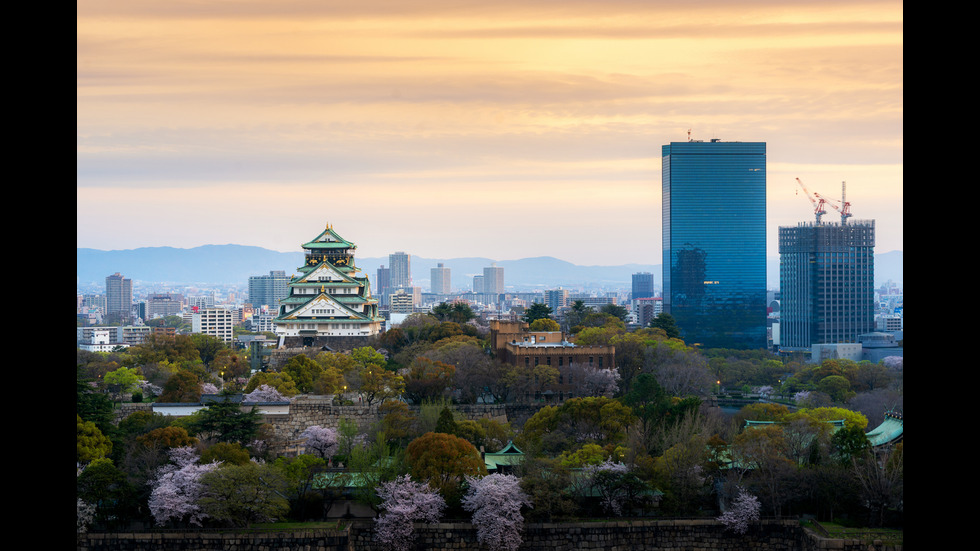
{"x":443,"y":460}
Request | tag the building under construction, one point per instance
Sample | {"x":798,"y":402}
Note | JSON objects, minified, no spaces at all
{"x":826,"y":279}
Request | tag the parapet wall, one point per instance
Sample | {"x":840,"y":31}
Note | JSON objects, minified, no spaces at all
{"x":648,"y":535}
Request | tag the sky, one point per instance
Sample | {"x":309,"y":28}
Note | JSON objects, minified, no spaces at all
{"x":445,"y":129}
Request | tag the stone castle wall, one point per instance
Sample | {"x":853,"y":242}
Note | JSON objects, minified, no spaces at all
{"x":648,"y":535}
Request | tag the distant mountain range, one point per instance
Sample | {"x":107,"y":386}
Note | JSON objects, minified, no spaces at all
{"x":234,"y":264}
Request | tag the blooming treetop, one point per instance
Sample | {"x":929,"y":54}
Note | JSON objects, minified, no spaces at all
{"x":744,"y":509}
{"x":177,"y":488}
{"x":603,"y":477}
{"x":264,"y":393}
{"x":405,"y":502}
{"x":322,"y":441}
{"x":496,"y":502}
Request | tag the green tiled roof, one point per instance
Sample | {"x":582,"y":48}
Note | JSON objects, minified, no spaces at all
{"x":890,"y":430}
{"x":510,"y":455}
{"x":329,"y":239}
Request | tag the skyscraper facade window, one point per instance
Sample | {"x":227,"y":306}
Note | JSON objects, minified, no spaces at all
{"x":400,"y":266}
{"x":714,"y":242}
{"x":493,"y":279}
{"x":826,"y":279}
{"x":119,"y":298}
{"x":440,"y":280}
{"x":268,"y":290}
{"x":382,"y":283}
{"x":642,"y":285}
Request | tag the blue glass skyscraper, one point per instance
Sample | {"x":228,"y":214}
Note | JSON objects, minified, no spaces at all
{"x":714,"y":242}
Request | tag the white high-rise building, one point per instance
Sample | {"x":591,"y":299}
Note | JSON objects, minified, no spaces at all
{"x":440,"y":280}
{"x":217,"y":322}
{"x":493,"y":279}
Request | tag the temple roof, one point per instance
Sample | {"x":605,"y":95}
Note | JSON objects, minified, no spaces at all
{"x":329,"y":239}
{"x":509,"y":456}
{"x":890,"y":430}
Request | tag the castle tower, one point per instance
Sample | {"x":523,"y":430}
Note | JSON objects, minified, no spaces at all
{"x":329,"y":301}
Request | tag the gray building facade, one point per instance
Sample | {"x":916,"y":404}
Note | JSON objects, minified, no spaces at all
{"x":826,"y":281}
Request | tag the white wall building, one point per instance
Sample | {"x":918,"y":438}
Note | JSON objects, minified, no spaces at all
{"x":217,"y":322}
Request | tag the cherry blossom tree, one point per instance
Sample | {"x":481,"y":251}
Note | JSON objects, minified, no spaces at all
{"x":743,"y":510}
{"x":405,"y":502}
{"x":86,"y":513}
{"x":264,"y":393}
{"x":321,"y":441}
{"x":496,"y":502}
{"x":614,"y":482}
{"x":177,"y":488}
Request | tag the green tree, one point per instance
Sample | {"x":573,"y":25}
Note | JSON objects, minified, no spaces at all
{"x":544,"y":324}
{"x":208,"y":347}
{"x":366,"y":355}
{"x":536,"y":311}
{"x":547,"y":483}
{"x":90,"y":443}
{"x":182,"y":387}
{"x":377,"y":384}
{"x":574,"y":315}
{"x":428,"y":379}
{"x":446,"y":423}
{"x":458,"y":312}
{"x":92,"y":405}
{"x":598,"y":420}
{"x":279,"y":381}
{"x":167,"y":437}
{"x":303,"y":371}
{"x":615,"y":310}
{"x":225,"y":421}
{"x":229,"y":365}
{"x":107,"y":488}
{"x":849,"y":443}
{"x":668,"y":324}
{"x":376,"y":462}
{"x":231,"y":453}
{"x":837,"y":387}
{"x":244,"y":494}
{"x":397,"y":421}
{"x":301,"y":473}
{"x":127,"y":379}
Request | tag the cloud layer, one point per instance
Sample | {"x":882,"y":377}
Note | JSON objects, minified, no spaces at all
{"x":455,"y":129}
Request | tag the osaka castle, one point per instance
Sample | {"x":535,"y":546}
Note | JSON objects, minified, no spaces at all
{"x":329,"y":301}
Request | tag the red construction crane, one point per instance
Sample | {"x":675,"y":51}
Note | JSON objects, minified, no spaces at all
{"x":844,"y":208}
{"x":818,"y":203}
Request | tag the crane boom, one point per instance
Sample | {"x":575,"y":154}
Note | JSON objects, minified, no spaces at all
{"x":818,"y":202}
{"x":845,"y":206}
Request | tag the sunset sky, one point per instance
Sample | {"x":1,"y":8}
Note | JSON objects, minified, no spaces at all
{"x":444,"y":129}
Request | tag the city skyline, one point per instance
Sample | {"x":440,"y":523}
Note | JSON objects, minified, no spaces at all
{"x":500,"y":131}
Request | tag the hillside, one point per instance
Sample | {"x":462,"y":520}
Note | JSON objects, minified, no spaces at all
{"x":233,"y":264}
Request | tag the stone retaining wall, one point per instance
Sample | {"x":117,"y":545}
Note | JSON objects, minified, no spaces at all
{"x":647,"y":535}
